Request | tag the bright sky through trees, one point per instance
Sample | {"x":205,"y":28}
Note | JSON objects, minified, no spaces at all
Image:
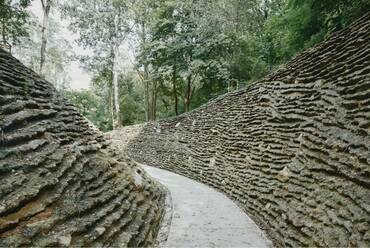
{"x":124,"y":62}
{"x":80,"y":79}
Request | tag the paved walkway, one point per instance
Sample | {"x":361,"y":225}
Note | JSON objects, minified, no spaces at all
{"x":203,"y":217}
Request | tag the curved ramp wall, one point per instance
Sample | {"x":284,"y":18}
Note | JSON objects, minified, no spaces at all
{"x":292,"y":149}
{"x":62,"y":184}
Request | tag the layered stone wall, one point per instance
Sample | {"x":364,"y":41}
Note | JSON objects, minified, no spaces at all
{"x":293,"y":149}
{"x":61,"y":183}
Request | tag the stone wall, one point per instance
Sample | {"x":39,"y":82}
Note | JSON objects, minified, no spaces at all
{"x":62,"y":184}
{"x":293,"y":149}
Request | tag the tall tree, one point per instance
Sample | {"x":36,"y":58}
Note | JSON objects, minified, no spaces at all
{"x":183,"y":47}
{"x":13,"y":19}
{"x":59,"y":52}
{"x":103,"y":27}
{"x":144,"y":12}
{"x":46,"y":6}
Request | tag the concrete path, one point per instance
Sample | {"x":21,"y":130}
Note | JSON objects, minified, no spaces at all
{"x":203,"y":217}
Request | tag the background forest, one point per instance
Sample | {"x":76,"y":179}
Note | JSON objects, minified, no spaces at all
{"x":152,"y":59}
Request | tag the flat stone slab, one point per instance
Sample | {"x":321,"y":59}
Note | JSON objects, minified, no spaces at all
{"x":203,"y":217}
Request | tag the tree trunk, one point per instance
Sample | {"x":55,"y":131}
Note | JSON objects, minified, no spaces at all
{"x":175,"y":90}
{"x":188,"y":94}
{"x":46,"y":4}
{"x":111,"y":104}
{"x":4,"y":44}
{"x":117,"y":120}
{"x":155,"y":105}
{"x":3,"y":31}
{"x":154,"y":102}
{"x":146,"y":93}
{"x":145,"y":75}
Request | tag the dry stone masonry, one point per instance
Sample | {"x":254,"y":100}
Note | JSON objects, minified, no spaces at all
{"x":293,"y":149}
{"x":61,"y":183}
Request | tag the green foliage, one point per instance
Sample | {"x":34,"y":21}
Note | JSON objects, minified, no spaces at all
{"x":91,"y":106}
{"x":188,"y":52}
{"x":95,"y":23}
{"x":227,"y":44}
{"x":13,"y":18}
{"x":103,"y":26}
{"x":305,"y":23}
{"x":131,"y":101}
{"x":93,"y":103}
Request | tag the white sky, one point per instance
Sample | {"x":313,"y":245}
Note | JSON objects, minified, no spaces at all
{"x":80,"y":79}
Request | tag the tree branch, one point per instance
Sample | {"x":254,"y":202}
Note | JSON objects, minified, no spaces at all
{"x":43,"y":4}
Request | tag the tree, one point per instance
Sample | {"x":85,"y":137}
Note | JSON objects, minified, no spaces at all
{"x":46,"y":5}
{"x":305,"y":23}
{"x":59,"y":52}
{"x":183,"y":47}
{"x":103,"y":27}
{"x":159,"y":53}
{"x":90,"y":105}
{"x":13,"y":18}
{"x":142,"y":18}
{"x":188,"y":52}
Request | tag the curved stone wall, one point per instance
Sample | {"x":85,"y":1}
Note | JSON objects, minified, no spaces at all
{"x":62,"y":184}
{"x":293,"y":149}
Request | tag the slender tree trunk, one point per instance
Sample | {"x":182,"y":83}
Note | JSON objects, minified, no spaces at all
{"x":146,"y":96}
{"x":150,"y":110}
{"x":3,"y":34}
{"x":188,"y":94}
{"x":151,"y":101}
{"x":111,"y":89}
{"x":175,"y":90}
{"x":146,"y":93}
{"x":117,"y":120}
{"x":145,"y":75}
{"x":153,"y":105}
{"x":46,"y":5}
{"x":115,"y":57}
{"x":3,"y":31}
{"x":111,"y":104}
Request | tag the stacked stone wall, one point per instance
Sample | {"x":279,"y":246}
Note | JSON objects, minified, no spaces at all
{"x":293,"y":149}
{"x":61,"y":182}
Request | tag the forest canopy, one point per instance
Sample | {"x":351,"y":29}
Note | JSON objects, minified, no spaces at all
{"x":152,"y":59}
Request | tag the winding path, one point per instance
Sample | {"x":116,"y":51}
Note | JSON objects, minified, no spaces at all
{"x":203,"y":217}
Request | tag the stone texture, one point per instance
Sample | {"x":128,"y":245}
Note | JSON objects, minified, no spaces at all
{"x":62,"y":183}
{"x":292,"y":149}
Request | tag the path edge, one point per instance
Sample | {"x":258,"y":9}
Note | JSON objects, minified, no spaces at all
{"x":166,"y":221}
